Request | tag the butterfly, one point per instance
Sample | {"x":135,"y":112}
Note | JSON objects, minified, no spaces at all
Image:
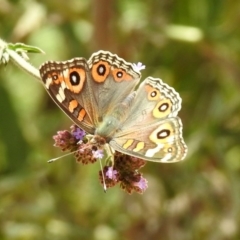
{"x":100,"y":96}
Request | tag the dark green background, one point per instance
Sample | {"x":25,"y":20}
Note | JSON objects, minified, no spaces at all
{"x":193,"y":46}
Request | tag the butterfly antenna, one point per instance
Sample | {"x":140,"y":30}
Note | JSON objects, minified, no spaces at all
{"x":104,"y":183}
{"x":55,"y":159}
{"x":100,"y":161}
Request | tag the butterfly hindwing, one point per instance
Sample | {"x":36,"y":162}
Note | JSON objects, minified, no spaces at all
{"x":152,"y":129}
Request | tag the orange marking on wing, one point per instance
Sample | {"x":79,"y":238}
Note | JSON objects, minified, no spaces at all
{"x":56,"y":77}
{"x":81,"y":114}
{"x":72,"y":105}
{"x":76,"y":79}
{"x":120,"y":75}
{"x":153,"y":93}
{"x":100,"y":71}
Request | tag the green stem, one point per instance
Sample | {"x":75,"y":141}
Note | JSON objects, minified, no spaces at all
{"x":19,"y":61}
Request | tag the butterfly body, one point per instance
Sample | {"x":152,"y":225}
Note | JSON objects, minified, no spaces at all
{"x":99,"y":96}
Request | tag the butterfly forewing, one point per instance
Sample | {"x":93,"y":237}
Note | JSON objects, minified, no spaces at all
{"x":66,"y":83}
{"x":112,"y":80}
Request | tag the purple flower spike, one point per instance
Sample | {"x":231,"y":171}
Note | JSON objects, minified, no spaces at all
{"x":111,"y":173}
{"x":79,"y":134}
{"x":98,"y":154}
{"x":138,"y":66}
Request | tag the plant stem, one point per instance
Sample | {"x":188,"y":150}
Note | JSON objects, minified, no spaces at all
{"x":19,"y":61}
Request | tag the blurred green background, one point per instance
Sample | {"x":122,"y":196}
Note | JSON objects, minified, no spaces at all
{"x":193,"y":46}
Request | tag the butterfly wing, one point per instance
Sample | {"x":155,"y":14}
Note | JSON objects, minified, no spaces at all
{"x":159,"y":142}
{"x":88,"y":90}
{"x":154,"y":101}
{"x":152,"y":130}
{"x":112,"y":80}
{"x":67,"y":84}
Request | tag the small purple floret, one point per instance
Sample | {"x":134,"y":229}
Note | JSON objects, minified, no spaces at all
{"x":111,"y":173}
{"x":79,"y":134}
{"x":142,"y":184}
{"x":98,"y":154}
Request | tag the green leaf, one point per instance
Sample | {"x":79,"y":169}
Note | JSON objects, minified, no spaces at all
{"x":21,"y":47}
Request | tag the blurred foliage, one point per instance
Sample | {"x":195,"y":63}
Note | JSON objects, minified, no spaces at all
{"x":193,"y":46}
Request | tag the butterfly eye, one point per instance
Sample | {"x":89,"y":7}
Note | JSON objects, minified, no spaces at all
{"x":119,"y":74}
{"x":163,"y":134}
{"x":153,"y":94}
{"x":101,"y":70}
{"x":55,"y":77}
{"x":163,"y":107}
{"x":74,"y":78}
{"x":170,"y":149}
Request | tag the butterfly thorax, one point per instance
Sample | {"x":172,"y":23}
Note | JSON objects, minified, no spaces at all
{"x":108,"y":127}
{"x":112,"y":122}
